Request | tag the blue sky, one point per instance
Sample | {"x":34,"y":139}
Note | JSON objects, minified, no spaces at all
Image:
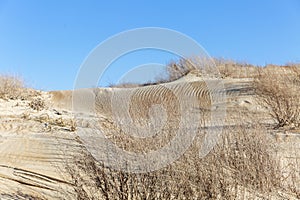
{"x":47,"y":41}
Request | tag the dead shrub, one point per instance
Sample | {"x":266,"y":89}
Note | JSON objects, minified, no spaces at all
{"x":277,"y":90}
{"x":202,"y":66}
{"x":240,"y":162}
{"x":51,"y":123}
{"x":67,"y":124}
{"x":10,"y":87}
{"x":180,"y":68}
{"x":205,"y":67}
{"x":13,"y":88}
{"x":296,"y":71}
{"x":37,"y":104}
{"x":234,"y":69}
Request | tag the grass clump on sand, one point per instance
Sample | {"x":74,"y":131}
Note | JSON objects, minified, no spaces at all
{"x":10,"y":87}
{"x":13,"y":88}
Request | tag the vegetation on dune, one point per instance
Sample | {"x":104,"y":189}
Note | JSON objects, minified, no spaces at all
{"x":278,"y":89}
{"x":216,"y":67}
{"x":10,"y":87}
{"x":13,"y":87}
{"x":241,"y":164}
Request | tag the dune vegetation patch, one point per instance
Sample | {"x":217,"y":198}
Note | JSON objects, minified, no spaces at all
{"x":10,"y":87}
{"x":13,"y":88}
{"x":241,"y":165}
{"x":278,"y":89}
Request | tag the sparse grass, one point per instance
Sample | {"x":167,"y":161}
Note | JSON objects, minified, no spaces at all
{"x":278,"y":90}
{"x":240,"y":166}
{"x":240,"y":162}
{"x":216,"y":67}
{"x":37,"y":104}
{"x":180,"y":68}
{"x":13,"y":87}
{"x":233,"y":69}
{"x":54,"y":123}
{"x":68,"y":124}
{"x":10,"y":87}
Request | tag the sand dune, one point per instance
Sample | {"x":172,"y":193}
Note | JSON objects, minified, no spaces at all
{"x":38,"y":148}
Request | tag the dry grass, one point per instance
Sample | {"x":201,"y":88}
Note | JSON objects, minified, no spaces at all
{"x":54,"y":123}
{"x":205,"y":67}
{"x":233,"y":69}
{"x":216,"y":67}
{"x":241,"y":164}
{"x":11,"y":87}
{"x":180,"y":68}
{"x":176,"y":70}
{"x":278,"y":90}
{"x":37,"y":104}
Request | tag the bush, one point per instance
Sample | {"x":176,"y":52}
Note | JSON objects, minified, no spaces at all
{"x":37,"y":104}
{"x":278,"y":90}
{"x":240,"y":162}
{"x":205,"y":67}
{"x":179,"y":69}
{"x":55,"y":123}
{"x":10,"y":87}
{"x":233,"y":69}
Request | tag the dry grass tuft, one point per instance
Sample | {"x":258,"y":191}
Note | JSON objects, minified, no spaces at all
{"x":224,"y":68}
{"x":11,"y":87}
{"x":37,"y":104}
{"x":51,"y":123}
{"x":233,"y":69}
{"x":180,"y":68}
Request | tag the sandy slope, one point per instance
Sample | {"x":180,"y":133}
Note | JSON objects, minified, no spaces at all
{"x":32,"y":156}
{"x":35,"y":154}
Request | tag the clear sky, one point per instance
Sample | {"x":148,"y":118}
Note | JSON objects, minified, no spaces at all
{"x":47,"y":41}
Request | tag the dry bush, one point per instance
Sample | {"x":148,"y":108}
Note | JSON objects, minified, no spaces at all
{"x":68,"y":124}
{"x":10,"y":87}
{"x":203,"y":66}
{"x":224,"y":68}
{"x":277,"y":89}
{"x":176,"y":70}
{"x":240,"y":163}
{"x":296,"y":71}
{"x":37,"y":104}
{"x":233,"y":69}
{"x":180,"y":68}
